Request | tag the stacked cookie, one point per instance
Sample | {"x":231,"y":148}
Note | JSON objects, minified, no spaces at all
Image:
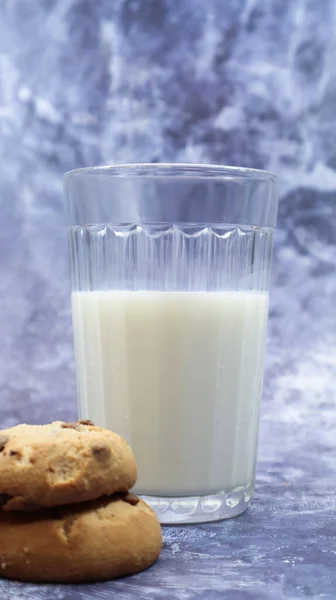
{"x":66,"y":511}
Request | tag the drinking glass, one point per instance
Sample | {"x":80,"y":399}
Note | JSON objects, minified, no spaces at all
{"x":170,"y":270}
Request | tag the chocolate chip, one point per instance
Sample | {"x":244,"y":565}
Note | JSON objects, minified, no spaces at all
{"x":3,"y":441}
{"x":70,"y":425}
{"x":4,"y":498}
{"x":101,"y":452}
{"x":77,"y":425}
{"x":130,"y":498}
{"x":17,"y":453}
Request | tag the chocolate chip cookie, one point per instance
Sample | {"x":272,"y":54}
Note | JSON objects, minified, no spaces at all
{"x":91,"y":541}
{"x":62,"y":463}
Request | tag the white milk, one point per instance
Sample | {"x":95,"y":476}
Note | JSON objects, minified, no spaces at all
{"x":179,"y":375}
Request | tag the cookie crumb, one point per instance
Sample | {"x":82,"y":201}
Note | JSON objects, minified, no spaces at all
{"x":67,"y":526}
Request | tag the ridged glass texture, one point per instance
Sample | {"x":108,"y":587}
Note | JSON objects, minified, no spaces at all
{"x":170,"y":257}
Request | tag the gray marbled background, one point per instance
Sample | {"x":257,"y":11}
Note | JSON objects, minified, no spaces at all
{"x":248,"y":82}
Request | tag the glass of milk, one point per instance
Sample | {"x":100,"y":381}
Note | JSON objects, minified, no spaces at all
{"x":170,"y":268}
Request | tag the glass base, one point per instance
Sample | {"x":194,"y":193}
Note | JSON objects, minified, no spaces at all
{"x":200,"y":509}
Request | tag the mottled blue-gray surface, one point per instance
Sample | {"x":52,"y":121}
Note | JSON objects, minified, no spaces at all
{"x":248,"y":82}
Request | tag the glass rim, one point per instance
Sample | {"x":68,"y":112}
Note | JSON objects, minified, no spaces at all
{"x":178,"y":170}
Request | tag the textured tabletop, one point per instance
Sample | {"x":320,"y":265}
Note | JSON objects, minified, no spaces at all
{"x":284,"y":546}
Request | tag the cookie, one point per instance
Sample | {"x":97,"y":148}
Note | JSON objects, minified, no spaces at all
{"x":91,"y":541}
{"x":62,"y":463}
